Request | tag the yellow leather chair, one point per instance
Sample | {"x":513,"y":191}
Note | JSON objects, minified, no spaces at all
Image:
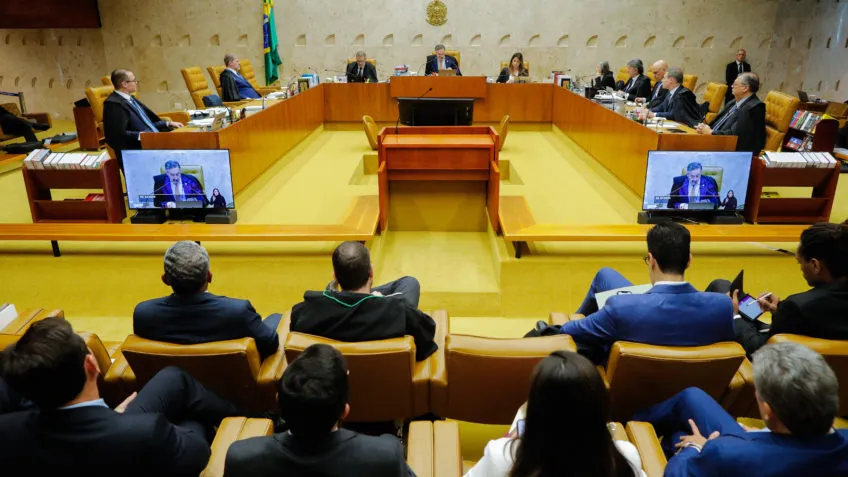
{"x":505,"y":64}
{"x":197,"y":85}
{"x":714,"y":94}
{"x":26,"y":318}
{"x":367,"y":60}
{"x":16,"y":110}
{"x":503,"y":130}
{"x":622,"y":75}
{"x":106,"y":80}
{"x":486,"y":380}
{"x":233,"y":429}
{"x":386,"y":383}
{"x":779,"y":110}
{"x":250,"y":75}
{"x":215,"y":74}
{"x":455,"y":53}
{"x":97,"y":96}
{"x":690,"y":82}
{"x":371,"y":131}
{"x":644,"y":437}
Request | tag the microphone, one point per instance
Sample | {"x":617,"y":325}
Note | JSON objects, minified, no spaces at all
{"x":398,"y":119}
{"x":419,"y":68}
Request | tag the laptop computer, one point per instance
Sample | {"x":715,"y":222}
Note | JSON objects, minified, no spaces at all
{"x":803,"y":96}
{"x":447,"y":72}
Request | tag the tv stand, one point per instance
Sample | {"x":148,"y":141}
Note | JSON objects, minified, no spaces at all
{"x":659,"y":217}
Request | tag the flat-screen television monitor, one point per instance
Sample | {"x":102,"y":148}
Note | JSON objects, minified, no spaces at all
{"x":178,"y":179}
{"x":696,"y":180}
{"x":436,"y":111}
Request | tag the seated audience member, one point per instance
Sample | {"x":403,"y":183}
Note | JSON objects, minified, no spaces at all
{"x":562,"y":430}
{"x":234,"y":86}
{"x":605,"y":78}
{"x":514,"y":70}
{"x":797,"y":395}
{"x":360,"y":312}
{"x":821,"y":312}
{"x":313,"y":399}
{"x":658,"y":92}
{"x":192,"y":315}
{"x":744,"y":118}
{"x":639,"y":85}
{"x":672,"y":313}
{"x":125,"y":118}
{"x":679,"y":104}
{"x":440,"y":61}
{"x":17,"y":126}
{"x":360,"y":71}
{"x":164,"y":429}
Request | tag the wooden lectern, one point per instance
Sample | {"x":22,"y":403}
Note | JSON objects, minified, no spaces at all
{"x":450,"y":153}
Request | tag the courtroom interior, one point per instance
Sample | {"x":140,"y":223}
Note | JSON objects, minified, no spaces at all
{"x":430,"y":187}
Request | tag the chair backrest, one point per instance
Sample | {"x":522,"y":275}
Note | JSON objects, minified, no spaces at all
{"x":106,"y":80}
{"x":454,"y":53}
{"x":371,"y":131}
{"x":835,"y":352}
{"x":622,"y":75}
{"x":215,"y":74}
{"x":642,"y":375}
{"x":505,"y":64}
{"x":489,"y":378}
{"x":196,"y":84}
{"x":714,"y":94}
{"x":779,"y":110}
{"x":249,"y":73}
{"x":98,"y":350}
{"x":690,"y":81}
{"x":367,"y":60}
{"x":381,"y":375}
{"x":229,"y":368}
{"x":503,"y":130}
{"x":96,"y":96}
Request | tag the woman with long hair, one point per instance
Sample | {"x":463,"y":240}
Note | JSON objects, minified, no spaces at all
{"x":217,"y":200}
{"x":513,"y":70}
{"x":729,"y":202}
{"x":605,"y":77}
{"x":564,"y":431}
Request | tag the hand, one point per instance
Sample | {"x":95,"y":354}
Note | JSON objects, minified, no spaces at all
{"x":123,"y":406}
{"x":704,"y":129}
{"x":734,"y":297}
{"x":175,"y":125}
{"x":768,"y":302}
{"x":651,"y":114}
{"x":696,"y":437}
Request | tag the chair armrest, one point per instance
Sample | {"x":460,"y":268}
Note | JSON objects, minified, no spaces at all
{"x":419,"y":448}
{"x":265,"y":90}
{"x":436,"y":365}
{"x":233,"y":429}
{"x":119,"y":381}
{"x":39,"y":117}
{"x":447,"y":455}
{"x":272,"y":367}
{"x":26,"y":318}
{"x":236,"y":104}
{"x":619,"y":433}
{"x":739,"y":399}
{"x":176,"y":116}
{"x":643,"y":436}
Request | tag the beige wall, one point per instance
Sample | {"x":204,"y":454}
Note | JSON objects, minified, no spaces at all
{"x":156,"y":38}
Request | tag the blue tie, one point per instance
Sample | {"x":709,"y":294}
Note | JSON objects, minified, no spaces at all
{"x":141,"y":113}
{"x":725,"y":117}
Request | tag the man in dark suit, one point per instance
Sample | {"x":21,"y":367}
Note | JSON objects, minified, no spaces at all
{"x":361,"y":71}
{"x":671,"y":313}
{"x":192,"y":315}
{"x":234,"y":86}
{"x":734,"y":69}
{"x":313,"y":401}
{"x":679,"y":104}
{"x":639,"y":85}
{"x":125,"y":118}
{"x":173,"y":186}
{"x":360,"y":312}
{"x":798,"y":397}
{"x":692,"y":187}
{"x":163,"y":430}
{"x":821,"y":312}
{"x":17,"y":126}
{"x":744,"y":118}
{"x":441,"y":61}
{"x":658,"y":92}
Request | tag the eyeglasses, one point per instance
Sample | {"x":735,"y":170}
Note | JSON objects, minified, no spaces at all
{"x":646,"y":259}
{"x":134,"y":81}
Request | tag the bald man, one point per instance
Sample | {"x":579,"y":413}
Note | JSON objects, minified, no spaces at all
{"x":658,"y":92}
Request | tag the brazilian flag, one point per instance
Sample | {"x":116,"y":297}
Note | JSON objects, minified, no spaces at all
{"x":269,"y":31}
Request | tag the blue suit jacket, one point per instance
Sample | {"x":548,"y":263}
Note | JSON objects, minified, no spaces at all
{"x":707,"y":190}
{"x":433,"y":64}
{"x":201,"y":318}
{"x":667,"y":315}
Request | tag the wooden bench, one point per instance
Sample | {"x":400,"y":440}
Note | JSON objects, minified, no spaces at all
{"x":359,"y":224}
{"x":519,"y":227}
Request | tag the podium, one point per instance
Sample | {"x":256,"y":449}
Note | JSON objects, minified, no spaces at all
{"x":440,"y":159}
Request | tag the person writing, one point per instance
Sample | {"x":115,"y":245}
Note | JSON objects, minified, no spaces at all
{"x":729,"y":202}
{"x":605,"y":78}
{"x":514,"y":70}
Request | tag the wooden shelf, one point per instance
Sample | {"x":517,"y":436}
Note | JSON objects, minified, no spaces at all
{"x":804,"y":210}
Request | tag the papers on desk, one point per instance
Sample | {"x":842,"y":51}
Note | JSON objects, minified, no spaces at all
{"x":276,"y":95}
{"x":201,"y":123}
{"x":666,"y":124}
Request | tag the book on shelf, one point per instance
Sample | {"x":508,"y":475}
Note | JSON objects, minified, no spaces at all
{"x":799,"y":160}
{"x":805,"y":120}
{"x":46,"y":159}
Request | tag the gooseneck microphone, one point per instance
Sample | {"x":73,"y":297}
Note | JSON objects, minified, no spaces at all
{"x":413,"y":113}
{"x":419,"y":69}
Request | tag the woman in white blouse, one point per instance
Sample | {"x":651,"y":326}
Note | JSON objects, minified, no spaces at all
{"x":562,"y":430}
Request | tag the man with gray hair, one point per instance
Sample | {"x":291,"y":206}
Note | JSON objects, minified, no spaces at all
{"x":679,"y":104}
{"x":798,"y":398}
{"x":743,"y":117}
{"x":192,"y":315}
{"x":439,"y":61}
{"x":639,"y":85}
{"x":361,"y":71}
{"x":234,"y":86}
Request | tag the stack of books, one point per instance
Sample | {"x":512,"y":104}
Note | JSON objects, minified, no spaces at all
{"x":799,"y":160}
{"x":47,"y":159}
{"x":805,"y":121}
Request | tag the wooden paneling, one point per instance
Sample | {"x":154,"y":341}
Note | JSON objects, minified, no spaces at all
{"x":695,"y":142}
{"x":49,"y":14}
{"x":442,"y":87}
{"x":349,"y":102}
{"x":532,"y":102}
{"x":180,"y":139}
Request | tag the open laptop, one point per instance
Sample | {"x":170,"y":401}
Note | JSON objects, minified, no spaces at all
{"x":447,"y":72}
{"x":803,"y":96}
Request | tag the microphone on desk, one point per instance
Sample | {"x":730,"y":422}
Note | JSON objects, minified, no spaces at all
{"x":419,"y":97}
{"x":419,"y":68}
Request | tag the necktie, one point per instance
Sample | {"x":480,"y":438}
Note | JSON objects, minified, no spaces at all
{"x":725,"y":117}
{"x":143,"y":115}
{"x":179,"y":193}
{"x":656,"y":91}
{"x":360,"y":72}
{"x":693,"y":191}
{"x":740,"y":68}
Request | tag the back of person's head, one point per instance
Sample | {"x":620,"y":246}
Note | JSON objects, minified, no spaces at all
{"x":798,"y":386}
{"x":565,"y":431}
{"x":119,"y":76}
{"x":826,"y":243}
{"x":668,"y":242}
{"x":186,"y":267}
{"x":47,"y":364}
{"x":313,"y":392}
{"x":352,"y":265}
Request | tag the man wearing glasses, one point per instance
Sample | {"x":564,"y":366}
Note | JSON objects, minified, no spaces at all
{"x":125,"y":118}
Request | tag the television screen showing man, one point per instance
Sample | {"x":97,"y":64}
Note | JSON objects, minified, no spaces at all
{"x":693,"y":187}
{"x":173,"y":186}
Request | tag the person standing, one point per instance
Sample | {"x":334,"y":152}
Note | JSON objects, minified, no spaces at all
{"x":734,"y":69}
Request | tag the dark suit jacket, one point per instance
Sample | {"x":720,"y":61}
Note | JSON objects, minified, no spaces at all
{"x":122,"y":124}
{"x":820,"y":313}
{"x":730,"y":74}
{"x":602,"y":82}
{"x":660,"y":92}
{"x":97,"y":441}
{"x":638,"y":87}
{"x":340,"y":453}
{"x":707,"y":190}
{"x":747,"y":123}
{"x":433,"y":64}
{"x":230,"y":87}
{"x":503,"y":76}
{"x":681,"y":107}
{"x":163,"y":192}
{"x":368,"y":72}
{"x":201,"y":318}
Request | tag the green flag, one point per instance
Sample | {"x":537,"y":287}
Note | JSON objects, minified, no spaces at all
{"x":269,"y":31}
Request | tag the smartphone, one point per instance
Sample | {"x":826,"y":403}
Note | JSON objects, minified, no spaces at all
{"x":519,"y":426}
{"x":749,"y":308}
